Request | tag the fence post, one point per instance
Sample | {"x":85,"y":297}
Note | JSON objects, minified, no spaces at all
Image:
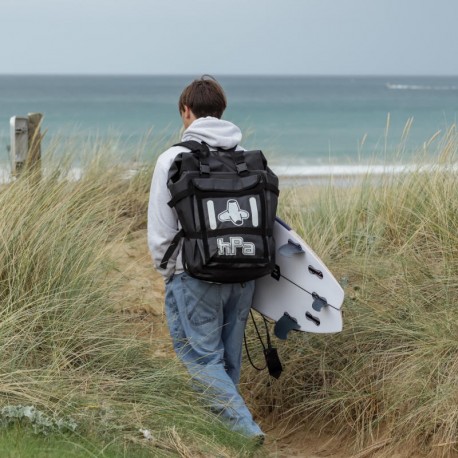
{"x":33,"y":163}
{"x":19,"y":127}
{"x":26,"y":144}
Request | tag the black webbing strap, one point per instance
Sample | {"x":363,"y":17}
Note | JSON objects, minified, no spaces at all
{"x":171,"y":249}
{"x":240,"y":163}
{"x":272,"y":188}
{"x":230,"y":231}
{"x":193,"y":145}
{"x":203,"y":152}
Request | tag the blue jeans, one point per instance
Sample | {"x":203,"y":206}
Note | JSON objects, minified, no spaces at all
{"x":207,"y":322}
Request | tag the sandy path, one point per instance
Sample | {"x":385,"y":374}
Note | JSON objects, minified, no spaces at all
{"x":141,"y":296}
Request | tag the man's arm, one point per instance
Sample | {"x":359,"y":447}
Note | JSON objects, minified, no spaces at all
{"x":162,"y":220}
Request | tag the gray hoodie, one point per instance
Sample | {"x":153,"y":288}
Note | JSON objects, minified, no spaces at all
{"x":162,"y":220}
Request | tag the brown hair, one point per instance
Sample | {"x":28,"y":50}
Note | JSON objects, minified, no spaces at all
{"x":205,"y":97}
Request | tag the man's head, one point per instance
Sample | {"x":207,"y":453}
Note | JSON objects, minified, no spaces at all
{"x":203,"y":97}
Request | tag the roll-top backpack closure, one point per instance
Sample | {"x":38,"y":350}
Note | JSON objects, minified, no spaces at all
{"x":227,"y":185}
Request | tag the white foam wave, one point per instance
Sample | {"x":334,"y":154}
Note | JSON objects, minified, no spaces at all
{"x":356,"y":170}
{"x":419,"y":87}
{"x":74,"y":174}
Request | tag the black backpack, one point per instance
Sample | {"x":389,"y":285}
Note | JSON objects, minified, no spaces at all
{"x":226,"y":201}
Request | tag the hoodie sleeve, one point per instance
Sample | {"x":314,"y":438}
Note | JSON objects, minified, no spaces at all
{"x":162,"y":220}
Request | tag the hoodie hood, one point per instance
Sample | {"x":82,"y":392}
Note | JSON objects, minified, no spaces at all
{"x":214,"y":132}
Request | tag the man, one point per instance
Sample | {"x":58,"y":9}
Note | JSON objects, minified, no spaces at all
{"x":206,"y":320}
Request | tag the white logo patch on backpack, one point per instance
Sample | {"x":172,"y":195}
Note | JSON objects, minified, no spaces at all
{"x":233,"y":213}
{"x":229,"y":247}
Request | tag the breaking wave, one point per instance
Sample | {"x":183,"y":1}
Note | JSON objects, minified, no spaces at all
{"x":316,"y":171}
{"x":419,"y":87}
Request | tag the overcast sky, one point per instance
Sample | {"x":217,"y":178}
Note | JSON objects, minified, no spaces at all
{"x":324,"y":37}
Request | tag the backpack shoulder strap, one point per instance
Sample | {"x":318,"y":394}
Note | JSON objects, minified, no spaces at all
{"x":171,"y":249}
{"x":202,"y":150}
{"x":193,"y":145}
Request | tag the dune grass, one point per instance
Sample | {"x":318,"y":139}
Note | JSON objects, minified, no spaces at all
{"x":389,"y":381}
{"x":65,"y":352}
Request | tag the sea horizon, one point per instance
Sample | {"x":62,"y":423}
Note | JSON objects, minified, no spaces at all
{"x":242,"y":75}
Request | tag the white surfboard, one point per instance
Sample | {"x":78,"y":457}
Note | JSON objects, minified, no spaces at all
{"x":301,"y":294}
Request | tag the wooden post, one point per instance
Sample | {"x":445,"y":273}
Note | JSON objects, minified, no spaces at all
{"x":33,"y":162}
{"x":19,"y":144}
{"x":26,"y":144}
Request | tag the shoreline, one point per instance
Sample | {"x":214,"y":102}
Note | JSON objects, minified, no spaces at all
{"x":349,"y":175}
{"x":338,"y":175}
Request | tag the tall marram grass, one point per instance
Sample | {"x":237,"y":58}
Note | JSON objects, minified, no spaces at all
{"x":64,"y":349}
{"x":390,"y":379}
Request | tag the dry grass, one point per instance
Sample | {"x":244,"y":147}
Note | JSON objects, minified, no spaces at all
{"x":65,"y":349}
{"x":388,"y":381}
{"x":391,"y":377}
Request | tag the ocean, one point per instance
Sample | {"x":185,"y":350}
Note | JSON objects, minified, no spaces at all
{"x":299,"y":122}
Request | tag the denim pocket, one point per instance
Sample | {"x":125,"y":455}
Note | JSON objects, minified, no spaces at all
{"x":202,"y":300}
{"x":246,"y":299}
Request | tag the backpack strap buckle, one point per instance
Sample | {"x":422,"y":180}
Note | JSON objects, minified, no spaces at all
{"x":240,"y":163}
{"x":204,"y":168}
{"x":241,"y":167}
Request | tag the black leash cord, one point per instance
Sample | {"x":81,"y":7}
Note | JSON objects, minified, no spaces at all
{"x":260,"y":339}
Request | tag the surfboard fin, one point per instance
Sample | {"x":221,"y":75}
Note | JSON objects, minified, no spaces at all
{"x":290,"y":249}
{"x":284,"y":325}
{"x":318,"y":302}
